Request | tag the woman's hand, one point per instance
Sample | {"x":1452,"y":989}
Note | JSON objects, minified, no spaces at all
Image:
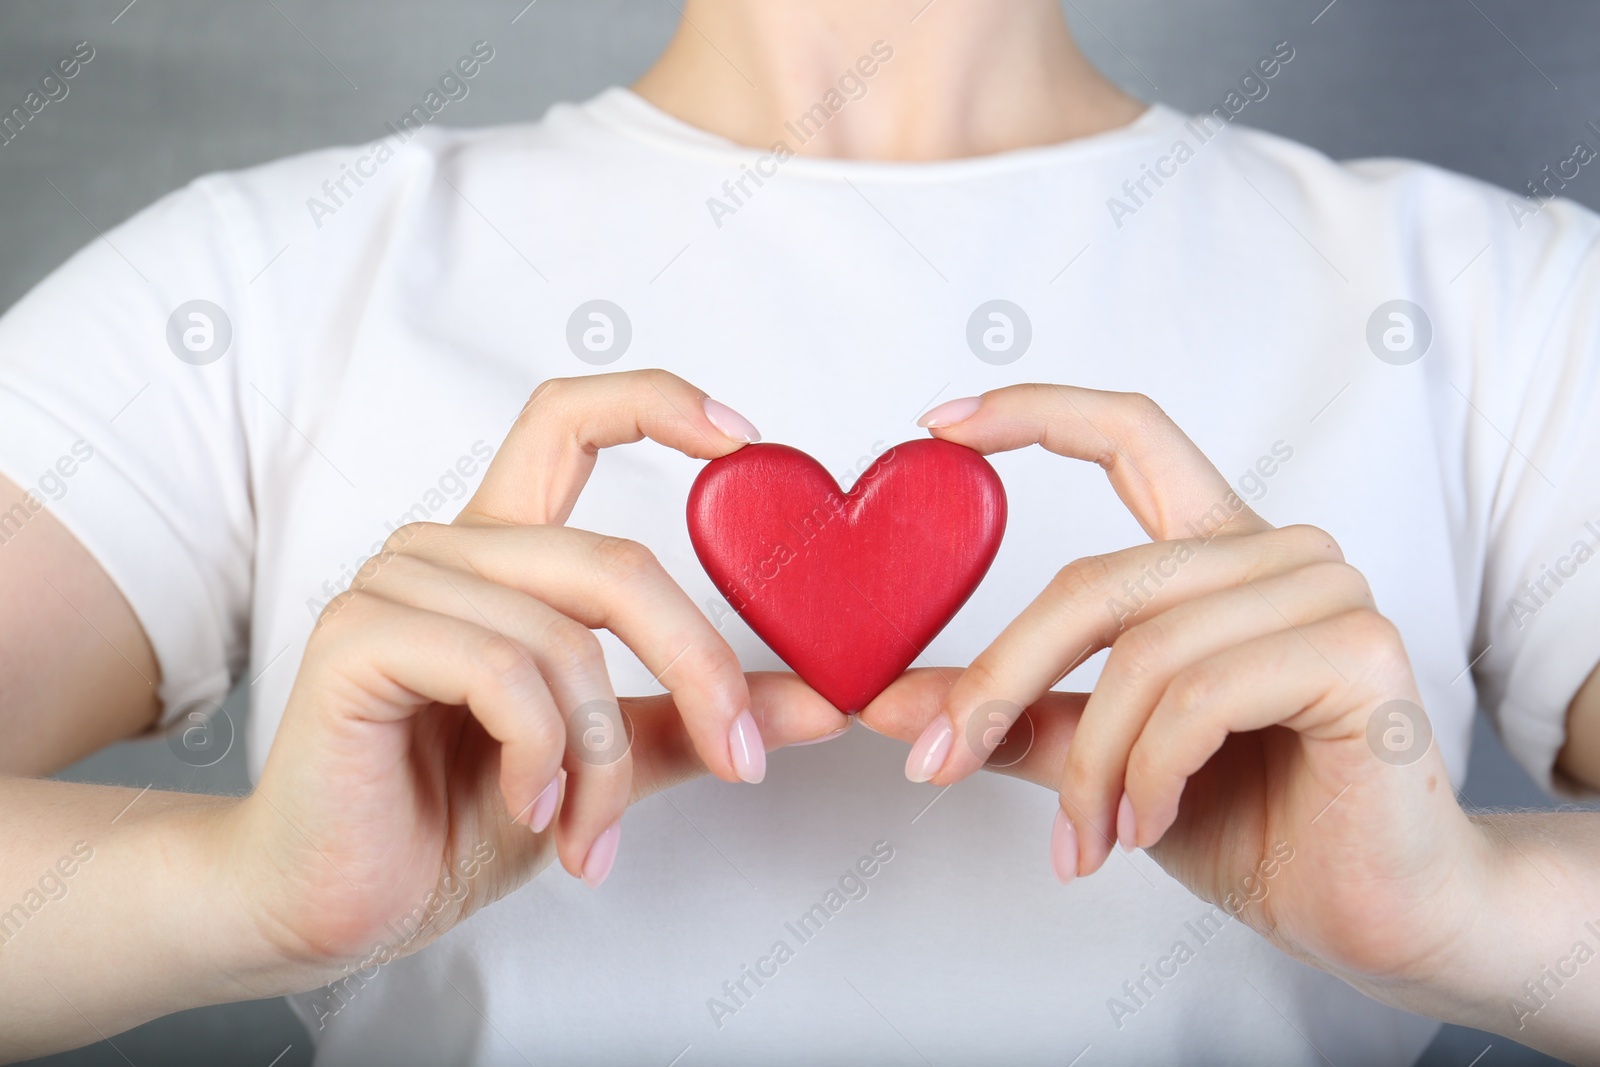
{"x":1251,"y":676}
{"x":453,"y":721}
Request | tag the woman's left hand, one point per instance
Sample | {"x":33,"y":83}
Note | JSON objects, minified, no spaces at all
{"x":1251,"y":676}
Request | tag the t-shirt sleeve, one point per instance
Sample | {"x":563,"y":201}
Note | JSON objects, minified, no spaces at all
{"x":1533,"y":450}
{"x":120,"y":412}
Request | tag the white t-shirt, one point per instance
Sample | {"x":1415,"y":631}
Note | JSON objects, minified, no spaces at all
{"x":384,"y":337}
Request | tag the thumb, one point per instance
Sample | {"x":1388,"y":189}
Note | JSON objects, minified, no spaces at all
{"x":786,"y":709}
{"x":1036,"y":738}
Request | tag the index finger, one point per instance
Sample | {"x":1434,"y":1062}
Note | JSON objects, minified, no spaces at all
{"x":547,"y":457}
{"x":1168,"y":484}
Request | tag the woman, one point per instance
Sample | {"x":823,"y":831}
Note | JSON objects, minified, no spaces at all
{"x":277,"y":386}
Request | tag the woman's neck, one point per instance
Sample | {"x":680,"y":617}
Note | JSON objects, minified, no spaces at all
{"x":948,"y":79}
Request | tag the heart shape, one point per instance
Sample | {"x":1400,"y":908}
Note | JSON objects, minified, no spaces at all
{"x":848,"y":588}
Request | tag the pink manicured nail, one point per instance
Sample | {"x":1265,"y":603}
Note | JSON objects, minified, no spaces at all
{"x":951,"y":412}
{"x":1127,"y":835}
{"x":602,"y":855}
{"x":1064,"y":848}
{"x":748,"y":750}
{"x":544,"y":808}
{"x":840,"y":732}
{"x":731,"y":423}
{"x":928,"y":754}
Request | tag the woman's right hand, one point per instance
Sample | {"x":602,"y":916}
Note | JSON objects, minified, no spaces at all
{"x":453,"y":721}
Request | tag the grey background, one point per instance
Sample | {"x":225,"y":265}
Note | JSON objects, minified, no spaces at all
{"x":1493,"y":88}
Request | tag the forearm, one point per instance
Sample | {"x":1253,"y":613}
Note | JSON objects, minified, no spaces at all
{"x":1530,"y":968}
{"x":117,"y":907}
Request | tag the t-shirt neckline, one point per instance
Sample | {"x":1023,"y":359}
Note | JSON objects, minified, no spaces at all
{"x":625,"y":112}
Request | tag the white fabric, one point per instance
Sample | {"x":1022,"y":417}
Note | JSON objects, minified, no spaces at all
{"x":383,"y":344}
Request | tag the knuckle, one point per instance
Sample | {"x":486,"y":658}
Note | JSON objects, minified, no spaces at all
{"x":1192,"y":691}
{"x":1036,"y":396}
{"x":709,"y":660}
{"x":413,"y":535}
{"x":1312,"y":542}
{"x":344,"y":614}
{"x":1378,"y":648}
{"x":1142,"y":764}
{"x":980,"y":678}
{"x":1139,"y":652}
{"x":1371,"y":630}
{"x":660,"y":379}
{"x":1144,"y":412}
{"x":546,"y":733}
{"x":624,"y":561}
{"x":570,"y":645}
{"x":1289,"y":548}
{"x":1081,"y":772}
{"x":1364,"y":626}
{"x":387,"y":567}
{"x":508,"y":667}
{"x":1083,"y":579}
{"x":546,"y":394}
{"x":1341,"y":580}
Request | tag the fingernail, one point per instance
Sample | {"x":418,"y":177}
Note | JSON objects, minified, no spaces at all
{"x":602,"y":855}
{"x":1126,"y":831}
{"x":731,"y":423}
{"x":1064,"y":848}
{"x":840,"y":732}
{"x":928,"y":754}
{"x":748,"y":751}
{"x":544,"y":807}
{"x":950,"y":412}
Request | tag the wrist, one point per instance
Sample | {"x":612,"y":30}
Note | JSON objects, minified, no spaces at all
{"x":214,"y":870}
{"x":1456,"y":982}
{"x":256,"y":946}
{"x":1523,"y":908}
{"x":143,"y":918}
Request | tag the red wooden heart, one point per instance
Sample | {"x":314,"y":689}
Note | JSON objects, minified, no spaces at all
{"x":848,"y":588}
